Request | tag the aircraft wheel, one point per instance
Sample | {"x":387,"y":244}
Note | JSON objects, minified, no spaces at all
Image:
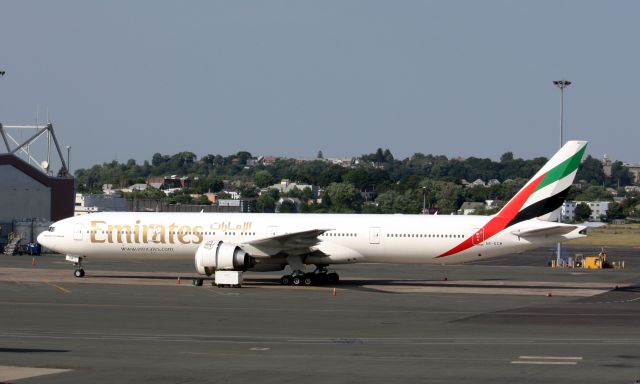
{"x":78,"y":273}
{"x":285,"y":280}
{"x":320,"y":278}
{"x":198,"y":282}
{"x":332,"y":278}
{"x":297,"y":280}
{"x":308,"y":280}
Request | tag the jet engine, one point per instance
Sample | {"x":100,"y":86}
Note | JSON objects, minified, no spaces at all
{"x":212,"y":255}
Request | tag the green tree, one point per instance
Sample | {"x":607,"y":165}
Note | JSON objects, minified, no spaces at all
{"x":591,"y":171}
{"x":615,"y":212}
{"x":582,"y":212}
{"x":620,"y":175}
{"x":265,"y":203}
{"x":287,"y":206}
{"x":593,"y":193}
{"x":263,"y":179}
{"x":343,"y":197}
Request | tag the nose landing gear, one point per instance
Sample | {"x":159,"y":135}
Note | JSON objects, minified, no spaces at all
{"x":77,"y":262}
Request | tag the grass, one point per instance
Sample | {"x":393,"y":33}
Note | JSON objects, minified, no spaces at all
{"x":623,"y":235}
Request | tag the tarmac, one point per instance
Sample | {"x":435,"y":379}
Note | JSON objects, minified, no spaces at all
{"x":506,"y":320}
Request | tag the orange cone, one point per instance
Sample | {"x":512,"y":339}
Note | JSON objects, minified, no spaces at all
{"x":549,"y":294}
{"x":33,"y":261}
{"x":334,"y":292}
{"x":178,"y":280}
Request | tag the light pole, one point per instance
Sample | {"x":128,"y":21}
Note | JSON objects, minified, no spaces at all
{"x":68,"y":163}
{"x":424,"y":200}
{"x":562,"y":84}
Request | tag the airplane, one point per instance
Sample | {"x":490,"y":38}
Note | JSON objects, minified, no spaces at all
{"x":270,"y":242}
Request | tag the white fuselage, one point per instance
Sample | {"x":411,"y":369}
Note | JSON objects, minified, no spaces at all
{"x":349,"y":238}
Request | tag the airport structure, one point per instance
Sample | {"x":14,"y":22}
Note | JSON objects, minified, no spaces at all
{"x":30,"y":196}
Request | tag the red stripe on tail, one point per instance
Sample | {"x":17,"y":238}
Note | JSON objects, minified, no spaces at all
{"x":501,"y":220}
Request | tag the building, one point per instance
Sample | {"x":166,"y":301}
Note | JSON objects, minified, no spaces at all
{"x":470,"y":207}
{"x":99,"y":203}
{"x":28,"y":194}
{"x":634,"y":169}
{"x":169,"y":182}
{"x":286,"y":186}
{"x":599,"y":209}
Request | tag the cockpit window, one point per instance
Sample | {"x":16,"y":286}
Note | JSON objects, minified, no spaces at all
{"x":52,"y":228}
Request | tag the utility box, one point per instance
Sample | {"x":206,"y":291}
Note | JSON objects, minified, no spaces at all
{"x":231,"y":279}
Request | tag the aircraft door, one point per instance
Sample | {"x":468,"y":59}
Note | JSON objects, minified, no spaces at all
{"x":374,"y":235}
{"x":77,"y":232}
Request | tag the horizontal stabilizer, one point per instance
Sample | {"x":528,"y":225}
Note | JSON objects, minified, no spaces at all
{"x":556,"y":230}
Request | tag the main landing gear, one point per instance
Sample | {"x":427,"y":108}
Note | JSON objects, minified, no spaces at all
{"x":77,"y":262}
{"x":320,"y":276}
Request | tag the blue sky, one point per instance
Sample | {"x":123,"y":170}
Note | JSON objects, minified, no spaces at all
{"x":126,"y":79}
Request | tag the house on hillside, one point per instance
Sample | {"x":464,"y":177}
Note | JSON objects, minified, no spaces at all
{"x":470,"y":207}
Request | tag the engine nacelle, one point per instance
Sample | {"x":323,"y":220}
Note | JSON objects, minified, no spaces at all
{"x":212,"y":255}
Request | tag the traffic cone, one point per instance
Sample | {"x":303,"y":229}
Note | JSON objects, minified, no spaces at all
{"x":33,"y":261}
{"x":334,"y":292}
{"x":549,"y":294}
{"x":178,"y":280}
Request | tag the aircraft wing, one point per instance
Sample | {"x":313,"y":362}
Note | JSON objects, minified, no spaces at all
{"x":554,"y":230}
{"x":290,"y":243}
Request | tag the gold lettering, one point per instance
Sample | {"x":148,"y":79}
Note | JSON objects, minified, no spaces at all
{"x":145,"y":232}
{"x":96,"y":230}
{"x":197,"y":231}
{"x":157,"y":233}
{"x":119,"y":229}
{"x":183,"y":232}
{"x":172,"y":230}
{"x":136,"y":232}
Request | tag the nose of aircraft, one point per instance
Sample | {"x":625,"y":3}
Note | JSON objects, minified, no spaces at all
{"x":42,"y":240}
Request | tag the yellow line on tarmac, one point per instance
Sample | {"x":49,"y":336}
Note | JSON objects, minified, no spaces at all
{"x":59,"y":287}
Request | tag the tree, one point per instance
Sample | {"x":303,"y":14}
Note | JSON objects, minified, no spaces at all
{"x":343,"y":197}
{"x":263,"y":179}
{"x":591,"y":171}
{"x":507,"y":156}
{"x":248,"y":191}
{"x":320,"y":155}
{"x":265,"y":203}
{"x":620,"y":175}
{"x":288,"y":206}
{"x":593,"y":193}
{"x":615,"y":212}
{"x":582,"y":212}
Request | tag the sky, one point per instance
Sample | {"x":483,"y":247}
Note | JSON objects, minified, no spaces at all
{"x":126,"y":79}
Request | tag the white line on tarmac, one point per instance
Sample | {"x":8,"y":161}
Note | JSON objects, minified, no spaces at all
{"x":552,"y":357}
{"x":544,"y":362}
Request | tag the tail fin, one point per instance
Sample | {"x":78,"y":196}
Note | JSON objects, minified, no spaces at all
{"x":543,"y":194}
{"x":548,"y":188}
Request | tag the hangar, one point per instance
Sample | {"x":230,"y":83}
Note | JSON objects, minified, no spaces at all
{"x":30,"y":196}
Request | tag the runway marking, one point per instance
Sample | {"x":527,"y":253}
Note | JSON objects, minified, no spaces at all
{"x":544,"y":362}
{"x":64,"y":290}
{"x":552,"y":357}
{"x":548,"y":360}
{"x":259,"y":349}
{"x":258,"y":339}
{"x":10,"y":373}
